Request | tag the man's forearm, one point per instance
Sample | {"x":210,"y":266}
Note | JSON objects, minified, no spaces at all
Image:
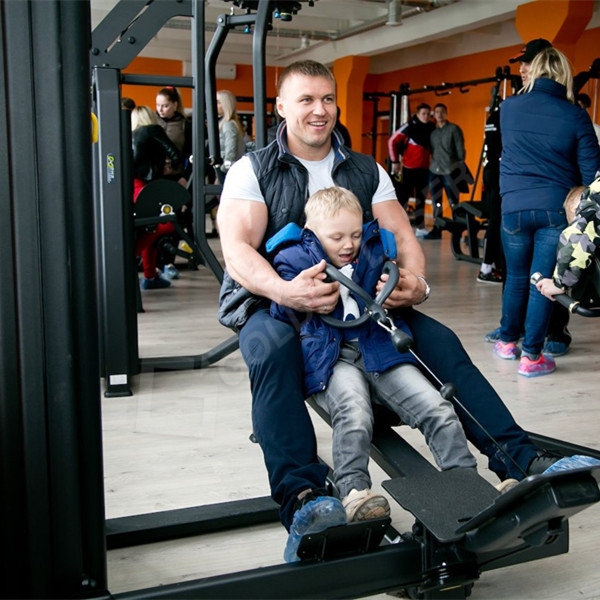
{"x":254,"y":272}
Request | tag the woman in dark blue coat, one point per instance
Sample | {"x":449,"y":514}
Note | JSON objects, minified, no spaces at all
{"x":549,"y":146}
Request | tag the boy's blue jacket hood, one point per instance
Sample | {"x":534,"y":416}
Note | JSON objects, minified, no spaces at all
{"x":298,"y":249}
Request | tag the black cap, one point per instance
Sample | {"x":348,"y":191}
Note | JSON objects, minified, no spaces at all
{"x":530,"y":50}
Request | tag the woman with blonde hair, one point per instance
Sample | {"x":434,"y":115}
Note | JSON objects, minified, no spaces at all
{"x":231,"y":143}
{"x":548,"y":147}
{"x":231,"y":131}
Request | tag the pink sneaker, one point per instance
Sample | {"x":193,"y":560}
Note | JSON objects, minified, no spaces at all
{"x":544,"y":365}
{"x":506,"y":350}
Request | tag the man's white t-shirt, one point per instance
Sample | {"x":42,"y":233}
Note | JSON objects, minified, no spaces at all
{"x":241,"y":182}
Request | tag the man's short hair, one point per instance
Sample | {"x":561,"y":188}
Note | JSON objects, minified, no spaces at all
{"x":310,"y":68}
{"x":441,"y":105}
{"x":423,"y":105}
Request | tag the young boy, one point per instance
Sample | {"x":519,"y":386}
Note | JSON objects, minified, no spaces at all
{"x":578,"y":241}
{"x":349,"y":369}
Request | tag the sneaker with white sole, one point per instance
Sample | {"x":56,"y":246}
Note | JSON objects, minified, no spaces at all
{"x":542,"y":365}
{"x":364,"y":505}
{"x":171,"y":272}
{"x":507,"y":484}
{"x":506,"y":350}
{"x":421,"y":231}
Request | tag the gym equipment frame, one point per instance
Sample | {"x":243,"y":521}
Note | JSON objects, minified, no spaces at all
{"x":52,"y":501}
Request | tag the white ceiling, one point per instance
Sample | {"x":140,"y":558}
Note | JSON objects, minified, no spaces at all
{"x":331,"y":29}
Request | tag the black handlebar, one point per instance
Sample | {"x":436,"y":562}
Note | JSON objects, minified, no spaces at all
{"x":374,"y":310}
{"x":573,"y":306}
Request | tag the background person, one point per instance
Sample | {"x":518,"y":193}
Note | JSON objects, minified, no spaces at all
{"x":151,"y":149}
{"x":447,"y":158}
{"x":555,"y":151}
{"x":409,"y":150}
{"x":578,"y":242}
{"x":558,"y":338}
{"x":170,"y":115}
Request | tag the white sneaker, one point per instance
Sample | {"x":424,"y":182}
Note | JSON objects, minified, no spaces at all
{"x":507,"y":484}
{"x":365,"y":505}
{"x":421,"y":232}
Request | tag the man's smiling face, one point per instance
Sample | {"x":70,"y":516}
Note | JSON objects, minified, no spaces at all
{"x":308,"y":105}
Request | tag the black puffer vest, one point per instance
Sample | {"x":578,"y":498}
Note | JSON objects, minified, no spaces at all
{"x":283,"y":180}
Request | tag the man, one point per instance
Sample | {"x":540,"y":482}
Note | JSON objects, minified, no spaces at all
{"x":410,"y":153}
{"x":558,"y":339}
{"x":447,"y":168}
{"x":264,"y":191}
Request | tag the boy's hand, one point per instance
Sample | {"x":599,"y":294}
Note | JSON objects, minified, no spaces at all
{"x":548,"y":288}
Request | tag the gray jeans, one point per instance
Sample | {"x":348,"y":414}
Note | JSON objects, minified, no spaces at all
{"x":404,"y":390}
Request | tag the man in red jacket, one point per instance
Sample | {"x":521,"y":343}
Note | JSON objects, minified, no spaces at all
{"x":410,"y":154}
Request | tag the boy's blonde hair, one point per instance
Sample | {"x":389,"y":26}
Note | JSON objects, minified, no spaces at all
{"x":141,"y":116}
{"x":326,"y":203}
{"x":572,"y":201}
{"x":551,"y":63}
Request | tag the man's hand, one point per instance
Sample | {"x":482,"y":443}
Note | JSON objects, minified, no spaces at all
{"x":409,"y":290}
{"x":548,"y":288}
{"x":308,"y":292}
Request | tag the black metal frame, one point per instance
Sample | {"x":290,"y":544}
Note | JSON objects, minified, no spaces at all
{"x":52,"y":498}
{"x":115,"y":42}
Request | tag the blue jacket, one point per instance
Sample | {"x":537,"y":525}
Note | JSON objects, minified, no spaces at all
{"x":548,"y":147}
{"x":298,"y":249}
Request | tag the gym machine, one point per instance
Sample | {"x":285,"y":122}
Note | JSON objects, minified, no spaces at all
{"x":52,"y":501}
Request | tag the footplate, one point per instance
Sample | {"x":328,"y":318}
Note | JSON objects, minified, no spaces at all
{"x":443,"y":500}
{"x":343,"y":540}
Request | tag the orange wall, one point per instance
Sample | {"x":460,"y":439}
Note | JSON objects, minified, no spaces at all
{"x":468,"y":109}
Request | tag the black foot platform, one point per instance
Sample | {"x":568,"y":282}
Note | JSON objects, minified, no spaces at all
{"x":343,"y":540}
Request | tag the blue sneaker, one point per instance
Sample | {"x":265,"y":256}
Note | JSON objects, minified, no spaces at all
{"x":158,"y":283}
{"x":316,"y":515}
{"x":170,"y":272}
{"x":555,"y":348}
{"x":573,"y":462}
{"x":493,"y":336}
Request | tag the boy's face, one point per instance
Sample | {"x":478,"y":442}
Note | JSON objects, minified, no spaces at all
{"x":340,"y":236}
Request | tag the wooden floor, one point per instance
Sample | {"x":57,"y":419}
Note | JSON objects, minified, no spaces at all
{"x":181,"y":440}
